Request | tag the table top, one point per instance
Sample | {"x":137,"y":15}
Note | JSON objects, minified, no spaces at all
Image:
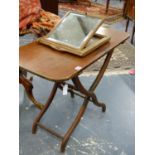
{"x":54,"y":65}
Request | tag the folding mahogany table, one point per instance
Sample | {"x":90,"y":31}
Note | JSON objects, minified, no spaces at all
{"x":60,"y":67}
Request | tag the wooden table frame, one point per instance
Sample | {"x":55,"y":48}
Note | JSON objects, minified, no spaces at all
{"x":88,"y":95}
{"x":76,"y":88}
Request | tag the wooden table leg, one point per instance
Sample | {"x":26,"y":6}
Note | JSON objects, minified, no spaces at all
{"x":127,"y":24}
{"x":101,"y":72}
{"x":48,"y":103}
{"x":28,"y":88}
{"x":73,"y":126}
{"x":133,"y":33}
{"x":89,"y":94}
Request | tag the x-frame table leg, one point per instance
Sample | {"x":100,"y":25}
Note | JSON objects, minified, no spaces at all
{"x":89,"y":94}
{"x":79,"y":87}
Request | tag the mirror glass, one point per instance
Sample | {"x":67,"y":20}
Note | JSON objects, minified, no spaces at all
{"x":75,"y":30}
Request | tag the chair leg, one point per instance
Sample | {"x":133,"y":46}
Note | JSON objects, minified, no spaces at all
{"x":107,"y":6}
{"x":125,"y":7}
{"x":133,"y":33}
{"x":127,"y":24}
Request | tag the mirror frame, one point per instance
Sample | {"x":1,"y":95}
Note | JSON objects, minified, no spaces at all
{"x":85,"y":47}
{"x":84,"y":42}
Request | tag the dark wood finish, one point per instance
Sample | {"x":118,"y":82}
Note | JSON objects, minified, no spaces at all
{"x":133,"y":33}
{"x":59,"y":67}
{"x":127,"y":24}
{"x":44,"y":109}
{"x":50,"y":5}
{"x":107,"y":6}
{"x":50,"y":131}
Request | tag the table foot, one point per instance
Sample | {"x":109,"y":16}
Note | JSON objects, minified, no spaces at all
{"x":89,"y":94}
{"x":103,"y":108}
{"x":34,"y":128}
{"x":99,"y":104}
{"x":73,"y":126}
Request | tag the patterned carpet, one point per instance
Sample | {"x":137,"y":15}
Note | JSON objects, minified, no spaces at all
{"x":114,"y":14}
{"x":122,"y":59}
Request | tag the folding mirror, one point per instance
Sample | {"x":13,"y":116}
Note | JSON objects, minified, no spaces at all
{"x":73,"y":33}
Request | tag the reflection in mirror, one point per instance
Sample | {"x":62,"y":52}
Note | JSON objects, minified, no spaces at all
{"x":75,"y":29}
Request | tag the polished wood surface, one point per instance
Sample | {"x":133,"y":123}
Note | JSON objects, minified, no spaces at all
{"x":59,"y":66}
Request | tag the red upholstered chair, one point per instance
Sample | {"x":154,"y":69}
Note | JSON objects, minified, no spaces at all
{"x":35,"y":16}
{"x":28,"y":12}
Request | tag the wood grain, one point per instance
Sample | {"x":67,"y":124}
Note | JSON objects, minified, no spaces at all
{"x":58,"y":66}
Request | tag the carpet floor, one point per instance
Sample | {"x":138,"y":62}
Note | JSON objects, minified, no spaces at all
{"x":114,"y":14}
